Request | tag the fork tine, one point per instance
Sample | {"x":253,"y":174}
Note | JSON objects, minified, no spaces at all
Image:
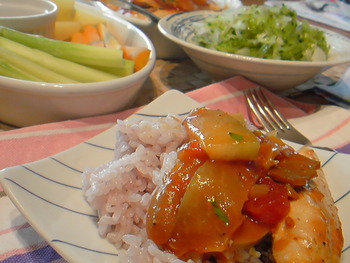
{"x":277,"y":121}
{"x":265,"y":111}
{"x":272,"y":120}
{"x":281,"y":122}
{"x":255,"y":106}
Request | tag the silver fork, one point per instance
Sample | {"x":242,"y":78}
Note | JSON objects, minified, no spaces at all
{"x":272,"y":120}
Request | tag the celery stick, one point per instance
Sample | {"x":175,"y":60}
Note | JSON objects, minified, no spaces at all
{"x":10,"y":71}
{"x":80,"y":53}
{"x":118,"y":70}
{"x":32,"y":68}
{"x":63,"y":67}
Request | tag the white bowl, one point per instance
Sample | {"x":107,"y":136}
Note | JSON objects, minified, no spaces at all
{"x":344,"y":6}
{"x":24,"y":103}
{"x":270,"y":73}
{"x":35,"y":16}
{"x":165,"y":48}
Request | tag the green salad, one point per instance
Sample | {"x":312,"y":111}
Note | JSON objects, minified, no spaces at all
{"x":264,"y":32}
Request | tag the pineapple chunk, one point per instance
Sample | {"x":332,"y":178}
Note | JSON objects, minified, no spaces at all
{"x":222,"y":136}
{"x":65,"y":29}
{"x":210,"y":210}
{"x":87,"y":18}
{"x":109,"y":40}
{"x":66,"y":9}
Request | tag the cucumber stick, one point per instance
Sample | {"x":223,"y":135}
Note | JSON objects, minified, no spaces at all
{"x":11,"y":71}
{"x":32,"y":68}
{"x":66,"y":68}
{"x":80,"y":53}
{"x":118,"y":70}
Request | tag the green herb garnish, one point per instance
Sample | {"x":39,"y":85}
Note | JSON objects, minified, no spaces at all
{"x":235,"y":136}
{"x":220,"y":213}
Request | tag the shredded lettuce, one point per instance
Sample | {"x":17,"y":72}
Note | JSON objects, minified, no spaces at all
{"x":264,"y":32}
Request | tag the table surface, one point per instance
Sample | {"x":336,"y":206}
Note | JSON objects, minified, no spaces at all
{"x":185,"y":76}
{"x":23,"y":243}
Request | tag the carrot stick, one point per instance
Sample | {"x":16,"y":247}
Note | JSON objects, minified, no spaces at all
{"x":139,"y":55}
{"x":92,"y":36}
{"x":79,"y":37}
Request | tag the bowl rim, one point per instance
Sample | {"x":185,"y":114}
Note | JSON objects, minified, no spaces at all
{"x":134,"y":20}
{"x":52,"y":9}
{"x":63,"y":89}
{"x":166,"y":22}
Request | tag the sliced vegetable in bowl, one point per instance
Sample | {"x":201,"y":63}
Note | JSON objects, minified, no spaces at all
{"x":37,"y":58}
{"x":263,"y":32}
{"x":99,"y":35}
{"x":275,"y":74}
{"x":25,"y":103}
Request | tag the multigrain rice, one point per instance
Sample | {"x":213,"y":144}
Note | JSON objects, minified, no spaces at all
{"x":120,"y":190}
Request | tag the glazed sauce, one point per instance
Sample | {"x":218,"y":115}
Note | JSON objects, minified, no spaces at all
{"x":209,"y":203}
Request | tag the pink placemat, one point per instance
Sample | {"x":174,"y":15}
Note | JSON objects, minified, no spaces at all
{"x":329,"y":126}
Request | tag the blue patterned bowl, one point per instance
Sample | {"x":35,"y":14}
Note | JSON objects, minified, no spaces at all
{"x":270,"y":73}
{"x":344,"y":7}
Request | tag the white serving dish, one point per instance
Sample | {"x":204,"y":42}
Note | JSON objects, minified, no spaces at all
{"x":273,"y":74}
{"x":344,"y":6}
{"x":35,"y":16}
{"x":24,"y":103}
{"x":48,"y":192}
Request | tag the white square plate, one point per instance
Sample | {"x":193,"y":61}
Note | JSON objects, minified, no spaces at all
{"x":48,"y":192}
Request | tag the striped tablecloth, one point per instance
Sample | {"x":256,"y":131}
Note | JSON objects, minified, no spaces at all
{"x":326,"y":126}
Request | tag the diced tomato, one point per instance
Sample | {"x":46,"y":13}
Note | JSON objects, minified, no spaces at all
{"x":268,"y":209}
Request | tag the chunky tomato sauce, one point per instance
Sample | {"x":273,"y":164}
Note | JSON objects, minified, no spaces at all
{"x":212,"y":201}
{"x":162,"y":8}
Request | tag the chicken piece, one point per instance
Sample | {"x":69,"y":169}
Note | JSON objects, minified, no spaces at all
{"x":311,"y":233}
